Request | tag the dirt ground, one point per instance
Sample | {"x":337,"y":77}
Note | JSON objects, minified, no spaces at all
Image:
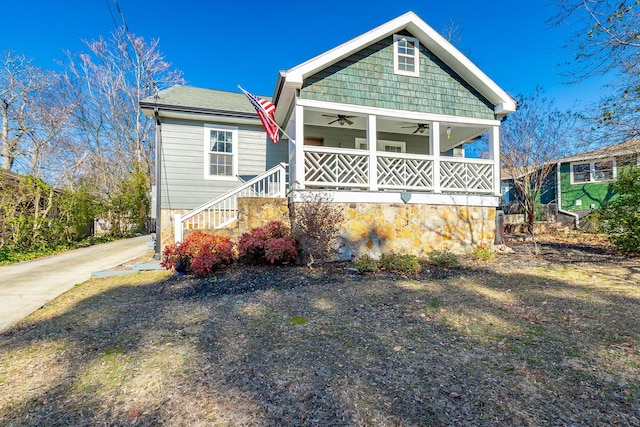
{"x":547,"y":335}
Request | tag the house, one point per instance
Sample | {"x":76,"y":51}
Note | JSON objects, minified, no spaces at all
{"x":377,"y":126}
{"x":581,"y":183}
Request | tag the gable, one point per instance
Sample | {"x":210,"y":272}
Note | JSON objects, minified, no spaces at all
{"x":367,"y":78}
{"x":432,"y":45}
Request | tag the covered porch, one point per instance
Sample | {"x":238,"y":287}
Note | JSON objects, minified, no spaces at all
{"x":366,"y":149}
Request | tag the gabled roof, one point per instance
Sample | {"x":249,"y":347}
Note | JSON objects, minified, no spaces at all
{"x":631,"y":147}
{"x":193,"y":100}
{"x":627,"y":148}
{"x":290,"y":80}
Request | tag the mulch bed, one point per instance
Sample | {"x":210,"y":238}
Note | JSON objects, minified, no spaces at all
{"x":547,"y":337}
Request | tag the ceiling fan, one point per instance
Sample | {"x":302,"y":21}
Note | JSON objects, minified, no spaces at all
{"x":340,"y":118}
{"x":421,"y":127}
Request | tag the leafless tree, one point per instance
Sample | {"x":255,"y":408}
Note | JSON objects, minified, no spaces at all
{"x":107,"y":82}
{"x":19,"y":81}
{"x":110,"y":81}
{"x":606,"y":40}
{"x":531,"y":138}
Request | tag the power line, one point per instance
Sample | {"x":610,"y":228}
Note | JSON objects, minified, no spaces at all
{"x":128,"y":34}
{"x":124,"y":22}
{"x":113,"y":18}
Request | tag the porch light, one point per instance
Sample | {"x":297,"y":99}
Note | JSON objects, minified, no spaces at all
{"x":448,"y":132}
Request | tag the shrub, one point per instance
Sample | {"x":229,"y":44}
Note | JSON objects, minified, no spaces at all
{"x":620,"y":218}
{"x":272,"y":244}
{"x":444,"y":259}
{"x":365,"y":264}
{"x":401,"y":263}
{"x":201,"y":253}
{"x":316,"y":223}
{"x":482,"y":253}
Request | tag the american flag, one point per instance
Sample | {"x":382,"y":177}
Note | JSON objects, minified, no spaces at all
{"x":266,"y":111}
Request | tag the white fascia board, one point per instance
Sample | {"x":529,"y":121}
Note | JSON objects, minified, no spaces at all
{"x":458,"y":62}
{"x":395,"y":197}
{"x":386,"y":112}
{"x":210,"y":117}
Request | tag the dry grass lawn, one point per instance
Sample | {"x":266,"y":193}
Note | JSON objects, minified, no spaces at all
{"x":532,"y":340}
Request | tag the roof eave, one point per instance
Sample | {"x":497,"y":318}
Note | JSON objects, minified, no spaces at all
{"x":181,"y":111}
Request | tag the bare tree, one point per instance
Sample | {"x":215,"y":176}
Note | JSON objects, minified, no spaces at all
{"x":19,"y":81}
{"x":531,"y":138}
{"x":606,"y":40}
{"x":108,"y":82}
{"x":46,"y":136}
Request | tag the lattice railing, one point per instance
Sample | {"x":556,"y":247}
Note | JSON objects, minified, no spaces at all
{"x":466,"y":175}
{"x":223,"y":210}
{"x":405,"y":171}
{"x":329,"y":167}
{"x":335,"y":167}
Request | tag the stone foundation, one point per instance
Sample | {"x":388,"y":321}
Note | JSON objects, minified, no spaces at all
{"x":414,"y":229}
{"x":375,"y":228}
{"x":252,"y":213}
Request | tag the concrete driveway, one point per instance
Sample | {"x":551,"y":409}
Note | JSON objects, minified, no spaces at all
{"x":27,"y":286}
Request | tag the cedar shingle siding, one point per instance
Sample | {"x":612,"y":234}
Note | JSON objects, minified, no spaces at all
{"x":367,"y":78}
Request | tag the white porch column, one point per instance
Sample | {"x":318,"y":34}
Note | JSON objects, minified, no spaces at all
{"x":373,"y":156}
{"x":299,"y":152}
{"x":434,"y":149}
{"x":177,"y":230}
{"x":291,"y":130}
{"x":494,"y":154}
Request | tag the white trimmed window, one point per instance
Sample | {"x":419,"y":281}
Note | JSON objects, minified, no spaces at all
{"x":600,"y":171}
{"x":383,"y":145}
{"x":406,"y":55}
{"x":221,"y":152}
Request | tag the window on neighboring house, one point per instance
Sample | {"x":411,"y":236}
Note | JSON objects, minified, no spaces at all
{"x":406,"y":55}
{"x":601,"y":171}
{"x":220,"y":151}
{"x":581,"y":172}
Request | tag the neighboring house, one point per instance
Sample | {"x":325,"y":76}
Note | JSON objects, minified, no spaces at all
{"x":377,"y":125}
{"x":579,"y":184}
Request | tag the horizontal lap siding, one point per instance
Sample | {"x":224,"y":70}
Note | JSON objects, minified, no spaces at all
{"x":184,"y":185}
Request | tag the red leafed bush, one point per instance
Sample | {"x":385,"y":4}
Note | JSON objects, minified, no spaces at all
{"x":201,"y":253}
{"x":272,"y":244}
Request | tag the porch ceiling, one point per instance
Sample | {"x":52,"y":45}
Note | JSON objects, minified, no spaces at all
{"x":460,"y":133}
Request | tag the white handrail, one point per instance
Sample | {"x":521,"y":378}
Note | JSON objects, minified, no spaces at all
{"x":255,"y":187}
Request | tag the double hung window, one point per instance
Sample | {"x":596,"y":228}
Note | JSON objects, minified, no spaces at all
{"x":220,"y":152}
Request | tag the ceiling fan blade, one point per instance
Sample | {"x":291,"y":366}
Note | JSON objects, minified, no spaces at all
{"x":330,"y":123}
{"x":329,"y":115}
{"x":417,"y":130}
{"x":349,"y":122}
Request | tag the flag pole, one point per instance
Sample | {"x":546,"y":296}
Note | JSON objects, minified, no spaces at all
{"x":268,"y":117}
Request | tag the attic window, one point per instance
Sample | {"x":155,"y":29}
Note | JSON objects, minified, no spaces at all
{"x":406,"y":55}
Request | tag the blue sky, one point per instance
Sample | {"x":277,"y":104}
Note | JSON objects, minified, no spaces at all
{"x":220,"y":44}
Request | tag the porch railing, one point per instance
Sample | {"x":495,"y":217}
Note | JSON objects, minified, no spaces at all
{"x":466,"y":175}
{"x":405,"y":171}
{"x":223,"y":210}
{"x":326,"y":167}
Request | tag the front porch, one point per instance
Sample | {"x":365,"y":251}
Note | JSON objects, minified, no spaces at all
{"x":359,"y":149}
